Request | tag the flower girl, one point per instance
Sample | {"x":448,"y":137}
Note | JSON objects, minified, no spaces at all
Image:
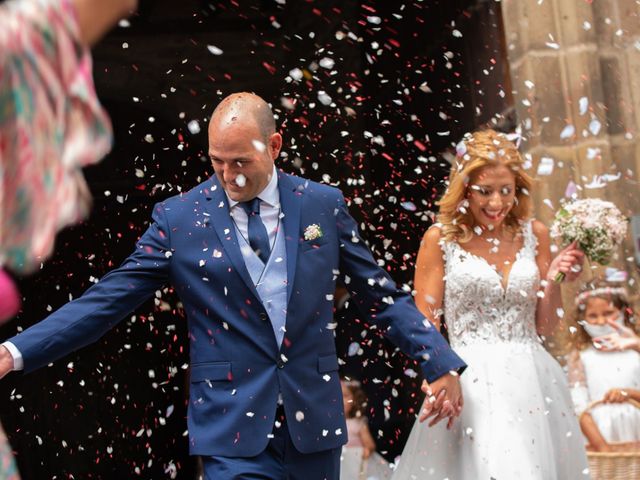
{"x":604,"y":383}
{"x":360,"y":461}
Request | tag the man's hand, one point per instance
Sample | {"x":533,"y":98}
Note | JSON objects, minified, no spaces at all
{"x":444,"y":399}
{"x":6,"y":361}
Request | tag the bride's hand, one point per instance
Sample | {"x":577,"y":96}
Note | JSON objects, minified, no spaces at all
{"x":444,"y":399}
{"x":568,"y":261}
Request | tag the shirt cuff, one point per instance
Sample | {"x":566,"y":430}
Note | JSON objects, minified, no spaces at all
{"x":18,"y":364}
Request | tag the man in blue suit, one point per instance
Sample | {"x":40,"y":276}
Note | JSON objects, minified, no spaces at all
{"x":254,"y":255}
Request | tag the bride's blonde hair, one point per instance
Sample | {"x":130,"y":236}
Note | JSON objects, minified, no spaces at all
{"x":483,"y":148}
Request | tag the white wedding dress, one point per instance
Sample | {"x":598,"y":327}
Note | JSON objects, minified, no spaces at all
{"x":517,"y":422}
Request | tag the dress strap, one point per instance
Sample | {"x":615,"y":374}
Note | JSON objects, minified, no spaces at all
{"x":446,"y":247}
{"x":448,"y":250}
{"x":530,"y":239}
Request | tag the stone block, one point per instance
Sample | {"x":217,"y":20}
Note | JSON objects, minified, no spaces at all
{"x":538,"y":24}
{"x":631,"y":99}
{"x":629,"y":20}
{"x":524,"y":99}
{"x":550,"y":189}
{"x":626,"y":158}
{"x":583,"y":80}
{"x":550,"y":106}
{"x":575,"y":21}
{"x":593,"y":159}
{"x":618,"y":97}
{"x":605,"y":22}
{"x":514,"y":28}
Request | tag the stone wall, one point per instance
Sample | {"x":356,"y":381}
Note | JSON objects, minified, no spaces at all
{"x":575,"y":69}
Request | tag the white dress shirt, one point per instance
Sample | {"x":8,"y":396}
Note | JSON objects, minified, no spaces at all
{"x":269,"y":213}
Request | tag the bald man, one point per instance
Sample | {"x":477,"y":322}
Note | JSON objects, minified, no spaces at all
{"x":254,"y":255}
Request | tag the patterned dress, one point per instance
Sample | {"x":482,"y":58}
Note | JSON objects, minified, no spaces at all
{"x":51,"y":125}
{"x":8,"y":470}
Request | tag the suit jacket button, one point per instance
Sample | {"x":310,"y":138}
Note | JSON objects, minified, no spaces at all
{"x":263,"y":316}
{"x":280,"y":364}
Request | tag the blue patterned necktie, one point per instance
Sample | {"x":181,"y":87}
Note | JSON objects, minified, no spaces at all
{"x":258,"y":237}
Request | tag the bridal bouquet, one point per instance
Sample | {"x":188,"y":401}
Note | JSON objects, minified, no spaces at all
{"x":596,"y":225}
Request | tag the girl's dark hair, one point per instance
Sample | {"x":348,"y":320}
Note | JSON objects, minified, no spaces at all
{"x":359,"y":398}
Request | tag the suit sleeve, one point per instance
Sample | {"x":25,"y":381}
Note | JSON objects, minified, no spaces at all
{"x":86,"y":319}
{"x":390,"y":309}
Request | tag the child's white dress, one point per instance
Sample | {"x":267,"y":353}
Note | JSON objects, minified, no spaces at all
{"x":592,"y":373}
{"x":352,"y":465}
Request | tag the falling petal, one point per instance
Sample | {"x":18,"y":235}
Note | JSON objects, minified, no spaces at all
{"x":584,"y":105}
{"x":567,"y":132}
{"x":214,"y":50}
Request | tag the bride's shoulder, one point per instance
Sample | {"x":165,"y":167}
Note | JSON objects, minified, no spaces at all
{"x":433,"y":236}
{"x":432,"y":240}
{"x":433,"y":232}
{"x":432,"y":251}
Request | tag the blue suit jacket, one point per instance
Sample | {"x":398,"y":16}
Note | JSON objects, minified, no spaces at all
{"x":237,"y":368}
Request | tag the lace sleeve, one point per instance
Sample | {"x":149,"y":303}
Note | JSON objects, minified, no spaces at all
{"x":577,"y":382}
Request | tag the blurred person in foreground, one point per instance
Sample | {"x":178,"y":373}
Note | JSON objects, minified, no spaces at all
{"x":51,"y":125}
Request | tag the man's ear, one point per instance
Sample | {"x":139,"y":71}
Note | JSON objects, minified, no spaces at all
{"x":275,"y":144}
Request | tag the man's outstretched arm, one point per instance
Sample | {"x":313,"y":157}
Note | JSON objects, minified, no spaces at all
{"x":86,"y":319}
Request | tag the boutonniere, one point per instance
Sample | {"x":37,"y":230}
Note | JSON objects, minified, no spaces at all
{"x":312,"y":232}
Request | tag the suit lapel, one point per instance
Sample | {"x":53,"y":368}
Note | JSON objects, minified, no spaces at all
{"x":291,"y":201}
{"x":217,"y":206}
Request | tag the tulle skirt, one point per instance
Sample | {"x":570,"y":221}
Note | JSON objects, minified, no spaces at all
{"x":517,"y":423}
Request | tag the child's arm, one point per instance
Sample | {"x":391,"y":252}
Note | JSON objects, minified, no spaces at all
{"x":619,"y":395}
{"x":591,"y":431}
{"x":368,"y":444}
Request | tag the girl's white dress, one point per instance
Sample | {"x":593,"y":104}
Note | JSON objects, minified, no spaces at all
{"x":593,"y":373}
{"x":517,"y":422}
{"x":352,"y":464}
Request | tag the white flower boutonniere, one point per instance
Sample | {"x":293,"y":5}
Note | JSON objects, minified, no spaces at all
{"x":312,"y":232}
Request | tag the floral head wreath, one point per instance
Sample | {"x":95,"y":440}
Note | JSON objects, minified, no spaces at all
{"x":601,"y":292}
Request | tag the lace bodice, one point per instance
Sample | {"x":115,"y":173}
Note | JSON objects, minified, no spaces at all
{"x":478,"y":309}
